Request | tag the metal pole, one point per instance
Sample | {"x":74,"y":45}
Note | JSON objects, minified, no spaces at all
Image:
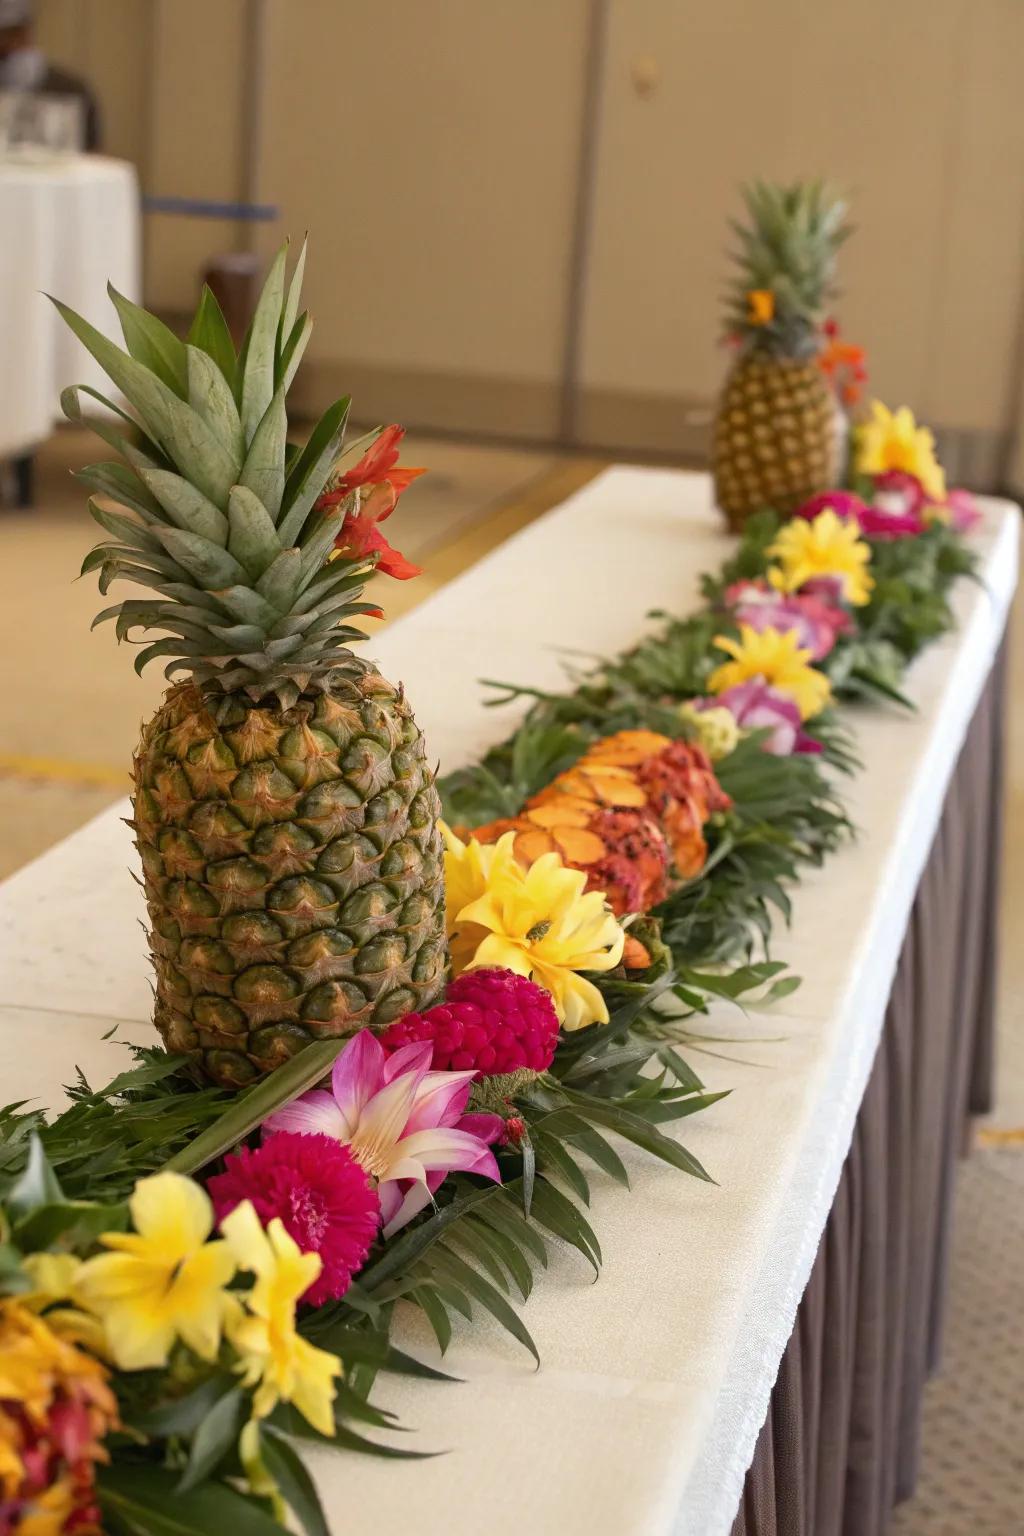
{"x":246,"y":233}
{"x":583,"y":217}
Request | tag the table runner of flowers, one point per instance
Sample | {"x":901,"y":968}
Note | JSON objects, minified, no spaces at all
{"x":194,"y":1283}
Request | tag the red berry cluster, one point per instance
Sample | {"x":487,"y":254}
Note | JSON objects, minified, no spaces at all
{"x":491,"y":1021}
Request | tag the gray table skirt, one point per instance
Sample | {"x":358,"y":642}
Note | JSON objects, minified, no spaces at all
{"x":840,"y":1444}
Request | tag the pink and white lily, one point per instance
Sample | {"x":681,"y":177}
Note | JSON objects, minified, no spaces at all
{"x":404,"y":1124}
{"x":817,"y":620}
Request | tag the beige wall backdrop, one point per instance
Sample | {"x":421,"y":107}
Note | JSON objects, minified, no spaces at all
{"x":442,"y":155}
{"x":914,"y":107}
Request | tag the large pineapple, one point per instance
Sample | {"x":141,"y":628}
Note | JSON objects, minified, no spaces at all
{"x":775,"y":439}
{"x":284,"y":810}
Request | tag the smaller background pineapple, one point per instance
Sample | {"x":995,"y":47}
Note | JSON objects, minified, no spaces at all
{"x":775,"y":438}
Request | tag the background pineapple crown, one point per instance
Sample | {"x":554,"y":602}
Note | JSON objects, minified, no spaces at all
{"x":218,"y":513}
{"x":787,"y":249}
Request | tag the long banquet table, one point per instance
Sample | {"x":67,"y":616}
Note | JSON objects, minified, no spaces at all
{"x":690,"y":1391}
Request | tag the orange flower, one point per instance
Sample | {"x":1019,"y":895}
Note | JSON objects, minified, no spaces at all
{"x":632,"y":807}
{"x":635,"y":955}
{"x":762,"y":306}
{"x":843,"y":364}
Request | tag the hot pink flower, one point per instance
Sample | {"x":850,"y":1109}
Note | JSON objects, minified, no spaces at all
{"x":899,"y":496}
{"x":403,"y":1124}
{"x":816,"y":620}
{"x":900,"y":508}
{"x":322,"y":1195}
{"x":756,"y":706}
{"x":964,"y":512}
{"x":887,"y":518}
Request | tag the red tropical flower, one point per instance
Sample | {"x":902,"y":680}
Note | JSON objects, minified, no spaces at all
{"x":377,"y":481}
{"x":380,"y":463}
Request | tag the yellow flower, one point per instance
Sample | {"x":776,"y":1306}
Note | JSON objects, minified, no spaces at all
{"x":716,"y":729}
{"x":50,"y":1511}
{"x":164,"y":1281}
{"x":275,"y":1359}
{"x":824,"y":546}
{"x":54,"y":1277}
{"x":542,"y":923}
{"x":762,"y":306}
{"x":775,"y":656}
{"x":468,"y":868}
{"x":893,"y":440}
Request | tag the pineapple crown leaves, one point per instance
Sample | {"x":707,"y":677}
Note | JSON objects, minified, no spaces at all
{"x":788,"y":248}
{"x":214,"y":508}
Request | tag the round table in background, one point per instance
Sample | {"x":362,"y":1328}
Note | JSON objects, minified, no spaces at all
{"x":66,"y":228}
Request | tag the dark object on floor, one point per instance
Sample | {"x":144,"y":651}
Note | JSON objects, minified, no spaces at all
{"x":233,"y":280}
{"x":17,"y":481}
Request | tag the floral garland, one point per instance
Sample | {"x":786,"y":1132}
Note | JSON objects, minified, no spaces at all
{"x":190,"y":1282}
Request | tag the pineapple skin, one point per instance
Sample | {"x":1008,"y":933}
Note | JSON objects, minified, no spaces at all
{"x":293,"y":870}
{"x":774,"y":437}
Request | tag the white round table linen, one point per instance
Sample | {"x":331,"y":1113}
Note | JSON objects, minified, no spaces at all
{"x":65,"y":229}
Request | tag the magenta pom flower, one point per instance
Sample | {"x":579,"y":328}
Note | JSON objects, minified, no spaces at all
{"x":897,"y":509}
{"x":756,"y":706}
{"x":900,"y":509}
{"x":405,"y":1125}
{"x":491,"y":1021}
{"x":843,"y":503}
{"x":323,"y":1197}
{"x":816,"y":620}
{"x":894,"y":514}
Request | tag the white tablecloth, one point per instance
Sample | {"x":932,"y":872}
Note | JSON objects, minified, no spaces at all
{"x":64,"y":229}
{"x":655,"y":1380}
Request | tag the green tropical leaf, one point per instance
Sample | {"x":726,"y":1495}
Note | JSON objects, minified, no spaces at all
{"x":210,"y":394}
{"x":252,"y":538}
{"x":144,"y":453}
{"x":185,"y":505}
{"x":188,"y":441}
{"x":554,"y":1211}
{"x":183,"y":1415}
{"x":309,"y":473}
{"x":210,"y":333}
{"x":75,"y":1223}
{"x":215,"y":1437}
{"x":294,"y":351}
{"x":263,"y":470}
{"x":152,"y":343}
{"x":37,"y":1187}
{"x":297,"y":1487}
{"x":258,"y":372}
{"x":294,"y":297}
{"x":434,"y":1311}
{"x":510,"y":1253}
{"x":145,"y":1500}
{"x":450,"y":1266}
{"x":250,"y":1109}
{"x":554,"y":1152}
